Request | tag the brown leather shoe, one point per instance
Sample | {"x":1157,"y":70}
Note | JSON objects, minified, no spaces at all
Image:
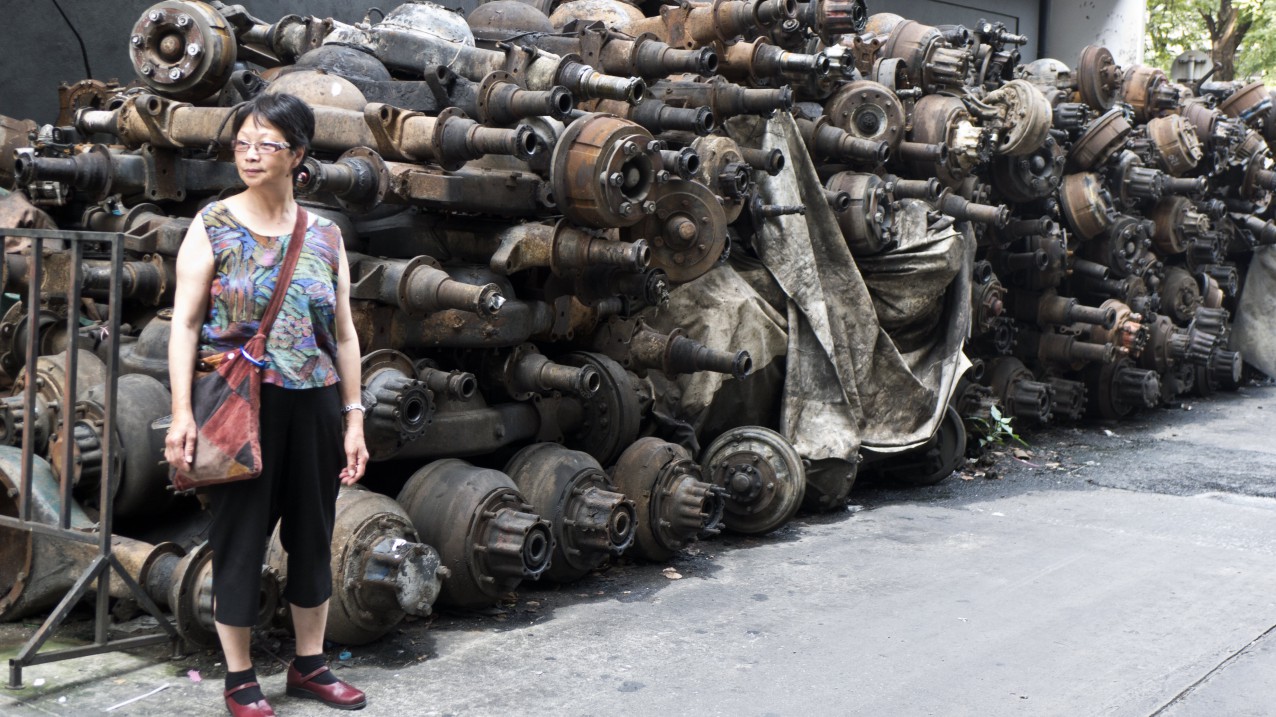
{"x":338,"y":694}
{"x":260,"y":708}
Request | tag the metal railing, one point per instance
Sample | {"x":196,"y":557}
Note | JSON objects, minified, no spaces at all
{"x":101,"y":567}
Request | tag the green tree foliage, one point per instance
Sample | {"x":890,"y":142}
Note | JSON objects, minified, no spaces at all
{"x":1240,"y":35}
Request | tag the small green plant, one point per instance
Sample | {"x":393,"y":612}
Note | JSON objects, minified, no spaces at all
{"x":995,"y":430}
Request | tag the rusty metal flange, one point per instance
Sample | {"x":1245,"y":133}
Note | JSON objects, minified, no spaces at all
{"x":1085,"y":204}
{"x":190,"y":597}
{"x":1177,"y":222}
{"x":762,"y":475}
{"x":401,"y":407}
{"x":371,"y":173}
{"x":380,"y":570}
{"x":486,"y":533}
{"x":1034,"y":176}
{"x":835,"y":18}
{"x":868,"y":110}
{"x":1124,"y":247}
{"x":674,"y":506}
{"x":937,"y":119}
{"x":569,"y":488}
{"x":603,"y":171}
{"x":866,"y":224}
{"x":143,"y":485}
{"x":610,"y":419}
{"x":83,"y":95}
{"x":1027,"y":120}
{"x":52,"y":379}
{"x":50,"y":325}
{"x":686,"y":230}
{"x":1148,"y":92}
{"x":718,"y":154}
{"x":1098,"y":78}
{"x":1244,"y":101}
{"x":932,"y":64}
{"x":1120,"y":388}
{"x":1180,"y":294}
{"x":1021,"y":395}
{"x":13,"y":134}
{"x":1105,"y":137}
{"x":1253,"y":186}
{"x":1178,"y":149}
{"x":1204,"y":119}
{"x":1252,"y":145}
{"x":184,"y":50}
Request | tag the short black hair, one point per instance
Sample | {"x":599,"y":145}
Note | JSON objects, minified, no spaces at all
{"x":293,"y":117}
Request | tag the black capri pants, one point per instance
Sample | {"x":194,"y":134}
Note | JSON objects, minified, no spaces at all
{"x":302,"y":454}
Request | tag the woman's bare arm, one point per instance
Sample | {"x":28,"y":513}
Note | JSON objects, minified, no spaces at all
{"x":190,"y":306}
{"x":350,"y":372}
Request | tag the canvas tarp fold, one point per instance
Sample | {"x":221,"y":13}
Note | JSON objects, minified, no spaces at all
{"x":871,"y":349}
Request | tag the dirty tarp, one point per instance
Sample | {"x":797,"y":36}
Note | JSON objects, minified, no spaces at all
{"x":723,"y":310}
{"x":846,"y":383}
{"x":1254,"y":330}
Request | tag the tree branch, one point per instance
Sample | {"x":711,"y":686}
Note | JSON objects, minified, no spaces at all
{"x":1209,"y":24}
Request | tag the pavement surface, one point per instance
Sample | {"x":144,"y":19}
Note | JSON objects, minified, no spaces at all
{"x":1112,"y":569}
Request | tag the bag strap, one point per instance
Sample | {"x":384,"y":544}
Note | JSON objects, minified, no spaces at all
{"x":285,"y":274}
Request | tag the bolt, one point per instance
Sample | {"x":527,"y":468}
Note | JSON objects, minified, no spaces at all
{"x":175,"y":73}
{"x":630,"y":149}
{"x":616,"y":179}
{"x":649,"y":207}
{"x":147,"y":70}
{"x":183,"y":20}
{"x":625,"y":209}
{"x":154,"y":16}
{"x":136,"y":40}
{"x":194,"y":49}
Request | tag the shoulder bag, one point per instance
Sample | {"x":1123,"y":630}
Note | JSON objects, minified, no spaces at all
{"x":227,"y":401}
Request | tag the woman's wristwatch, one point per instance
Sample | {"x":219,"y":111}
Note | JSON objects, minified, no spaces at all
{"x":352,"y":407}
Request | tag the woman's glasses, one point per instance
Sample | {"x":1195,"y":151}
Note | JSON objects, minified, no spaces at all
{"x":262,"y":147}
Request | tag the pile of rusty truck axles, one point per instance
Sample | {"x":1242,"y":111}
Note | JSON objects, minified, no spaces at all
{"x":525,"y":193}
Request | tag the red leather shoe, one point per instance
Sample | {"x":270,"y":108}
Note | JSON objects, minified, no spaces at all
{"x":337,"y":694}
{"x":260,"y":708}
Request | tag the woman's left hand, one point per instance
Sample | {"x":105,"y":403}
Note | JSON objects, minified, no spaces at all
{"x":356,"y":453}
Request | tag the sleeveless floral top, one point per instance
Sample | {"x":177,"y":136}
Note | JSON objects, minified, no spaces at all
{"x":302,"y":346}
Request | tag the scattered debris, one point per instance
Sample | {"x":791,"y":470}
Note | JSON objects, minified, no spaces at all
{"x":130,"y":701}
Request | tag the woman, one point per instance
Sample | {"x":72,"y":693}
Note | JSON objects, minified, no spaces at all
{"x":226,"y":270}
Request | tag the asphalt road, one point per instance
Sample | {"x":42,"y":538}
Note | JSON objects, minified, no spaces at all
{"x":1123,"y":569}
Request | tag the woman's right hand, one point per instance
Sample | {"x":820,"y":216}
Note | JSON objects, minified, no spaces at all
{"x":179,"y":444}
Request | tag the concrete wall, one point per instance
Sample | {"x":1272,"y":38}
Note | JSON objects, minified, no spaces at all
{"x":1117,"y":24}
